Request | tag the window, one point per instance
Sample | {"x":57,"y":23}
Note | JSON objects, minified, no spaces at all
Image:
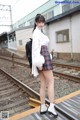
{"x":62,"y":36}
{"x":20,"y":42}
{"x":10,"y":36}
{"x":9,"y":41}
{"x":14,"y":38}
{"x":77,"y":2}
{"x":66,"y":7}
{"x":72,"y":4}
{"x":50,"y":14}
{"x":45,"y":16}
{"x":22,"y":25}
{"x":32,"y":22}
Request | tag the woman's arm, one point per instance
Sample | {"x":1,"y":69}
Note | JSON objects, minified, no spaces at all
{"x":38,"y":58}
{"x":36,"y":44}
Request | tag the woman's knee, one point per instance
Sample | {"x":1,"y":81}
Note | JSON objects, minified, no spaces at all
{"x":42,"y":80}
{"x":48,"y":75}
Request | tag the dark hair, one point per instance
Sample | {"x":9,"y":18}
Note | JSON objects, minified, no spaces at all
{"x":38,"y":18}
{"x":30,"y":39}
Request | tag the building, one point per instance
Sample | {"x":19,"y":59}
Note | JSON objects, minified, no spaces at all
{"x":49,"y":9}
{"x":18,"y":38}
{"x":63,"y":31}
{"x":3,"y":40}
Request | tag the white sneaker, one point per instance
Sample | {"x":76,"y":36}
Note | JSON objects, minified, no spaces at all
{"x":52,"y":110}
{"x":43,"y":109}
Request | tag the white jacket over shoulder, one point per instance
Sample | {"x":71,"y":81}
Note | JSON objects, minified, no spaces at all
{"x":37,"y":59}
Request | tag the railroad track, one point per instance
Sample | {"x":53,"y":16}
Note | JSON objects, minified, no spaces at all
{"x":67,"y":72}
{"x":76,"y":67}
{"x":14,"y":96}
{"x":10,"y":54}
{"x":22,"y":60}
{"x":15,"y":61}
{"x":15,"y":93}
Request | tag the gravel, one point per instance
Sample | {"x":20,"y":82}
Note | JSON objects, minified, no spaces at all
{"x":62,"y":86}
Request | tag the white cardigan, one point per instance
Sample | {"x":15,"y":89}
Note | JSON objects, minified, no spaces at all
{"x":37,"y":58}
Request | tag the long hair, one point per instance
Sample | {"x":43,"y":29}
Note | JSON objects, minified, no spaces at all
{"x":38,"y":18}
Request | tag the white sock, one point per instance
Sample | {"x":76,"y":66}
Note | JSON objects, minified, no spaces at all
{"x":43,"y":105}
{"x":52,"y":108}
{"x":52,"y":104}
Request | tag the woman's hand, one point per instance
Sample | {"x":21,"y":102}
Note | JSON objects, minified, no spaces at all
{"x":38,"y":60}
{"x":40,"y":68}
{"x":51,"y":56}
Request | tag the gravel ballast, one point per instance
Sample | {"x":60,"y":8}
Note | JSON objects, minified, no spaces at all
{"x":62,"y":86}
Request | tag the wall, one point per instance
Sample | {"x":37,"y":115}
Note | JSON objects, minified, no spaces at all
{"x":23,"y":35}
{"x":76,"y":33}
{"x":57,"y":26}
{"x":71,"y":49}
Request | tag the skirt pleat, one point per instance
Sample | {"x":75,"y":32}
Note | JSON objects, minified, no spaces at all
{"x":48,"y":61}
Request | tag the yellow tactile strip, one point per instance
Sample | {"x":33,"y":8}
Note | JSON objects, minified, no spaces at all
{"x":67,"y":97}
{"x":28,"y":112}
{"x":23,"y":114}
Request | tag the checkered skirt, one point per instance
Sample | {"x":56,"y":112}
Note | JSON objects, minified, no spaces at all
{"x":48,"y":62}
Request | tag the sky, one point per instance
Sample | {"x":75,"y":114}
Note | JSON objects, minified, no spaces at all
{"x":21,"y":8}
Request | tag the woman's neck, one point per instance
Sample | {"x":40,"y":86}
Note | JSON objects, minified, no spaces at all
{"x":39,"y":27}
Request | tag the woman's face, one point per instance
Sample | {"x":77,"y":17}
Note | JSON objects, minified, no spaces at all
{"x":40,"y":24}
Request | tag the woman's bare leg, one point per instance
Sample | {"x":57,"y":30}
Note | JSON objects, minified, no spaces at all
{"x":50,"y":80}
{"x":42,"y":87}
{"x":48,"y":74}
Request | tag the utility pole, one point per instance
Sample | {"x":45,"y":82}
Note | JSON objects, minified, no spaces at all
{"x":11,"y":17}
{"x":5,"y":15}
{"x":71,"y":38}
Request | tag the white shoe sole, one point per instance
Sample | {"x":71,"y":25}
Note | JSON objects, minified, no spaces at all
{"x":43,"y":111}
{"x":52,"y":114}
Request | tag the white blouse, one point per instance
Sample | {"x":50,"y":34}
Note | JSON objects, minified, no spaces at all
{"x":43,"y":38}
{"x":37,"y":59}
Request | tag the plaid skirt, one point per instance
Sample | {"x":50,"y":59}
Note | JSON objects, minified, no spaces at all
{"x":48,"y":62}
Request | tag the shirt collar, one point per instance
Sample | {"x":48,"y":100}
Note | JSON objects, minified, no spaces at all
{"x":38,"y":28}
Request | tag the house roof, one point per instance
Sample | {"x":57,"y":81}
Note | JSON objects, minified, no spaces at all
{"x":65,"y":14}
{"x":22,"y":28}
{"x":53,"y":19}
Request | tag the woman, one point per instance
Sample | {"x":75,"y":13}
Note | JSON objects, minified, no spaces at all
{"x":42,"y":64}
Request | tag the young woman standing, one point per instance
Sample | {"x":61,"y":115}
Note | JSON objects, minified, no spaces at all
{"x":41,"y":66}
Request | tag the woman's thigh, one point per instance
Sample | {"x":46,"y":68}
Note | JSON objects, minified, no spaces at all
{"x":48,"y":74}
{"x":42,"y":78}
